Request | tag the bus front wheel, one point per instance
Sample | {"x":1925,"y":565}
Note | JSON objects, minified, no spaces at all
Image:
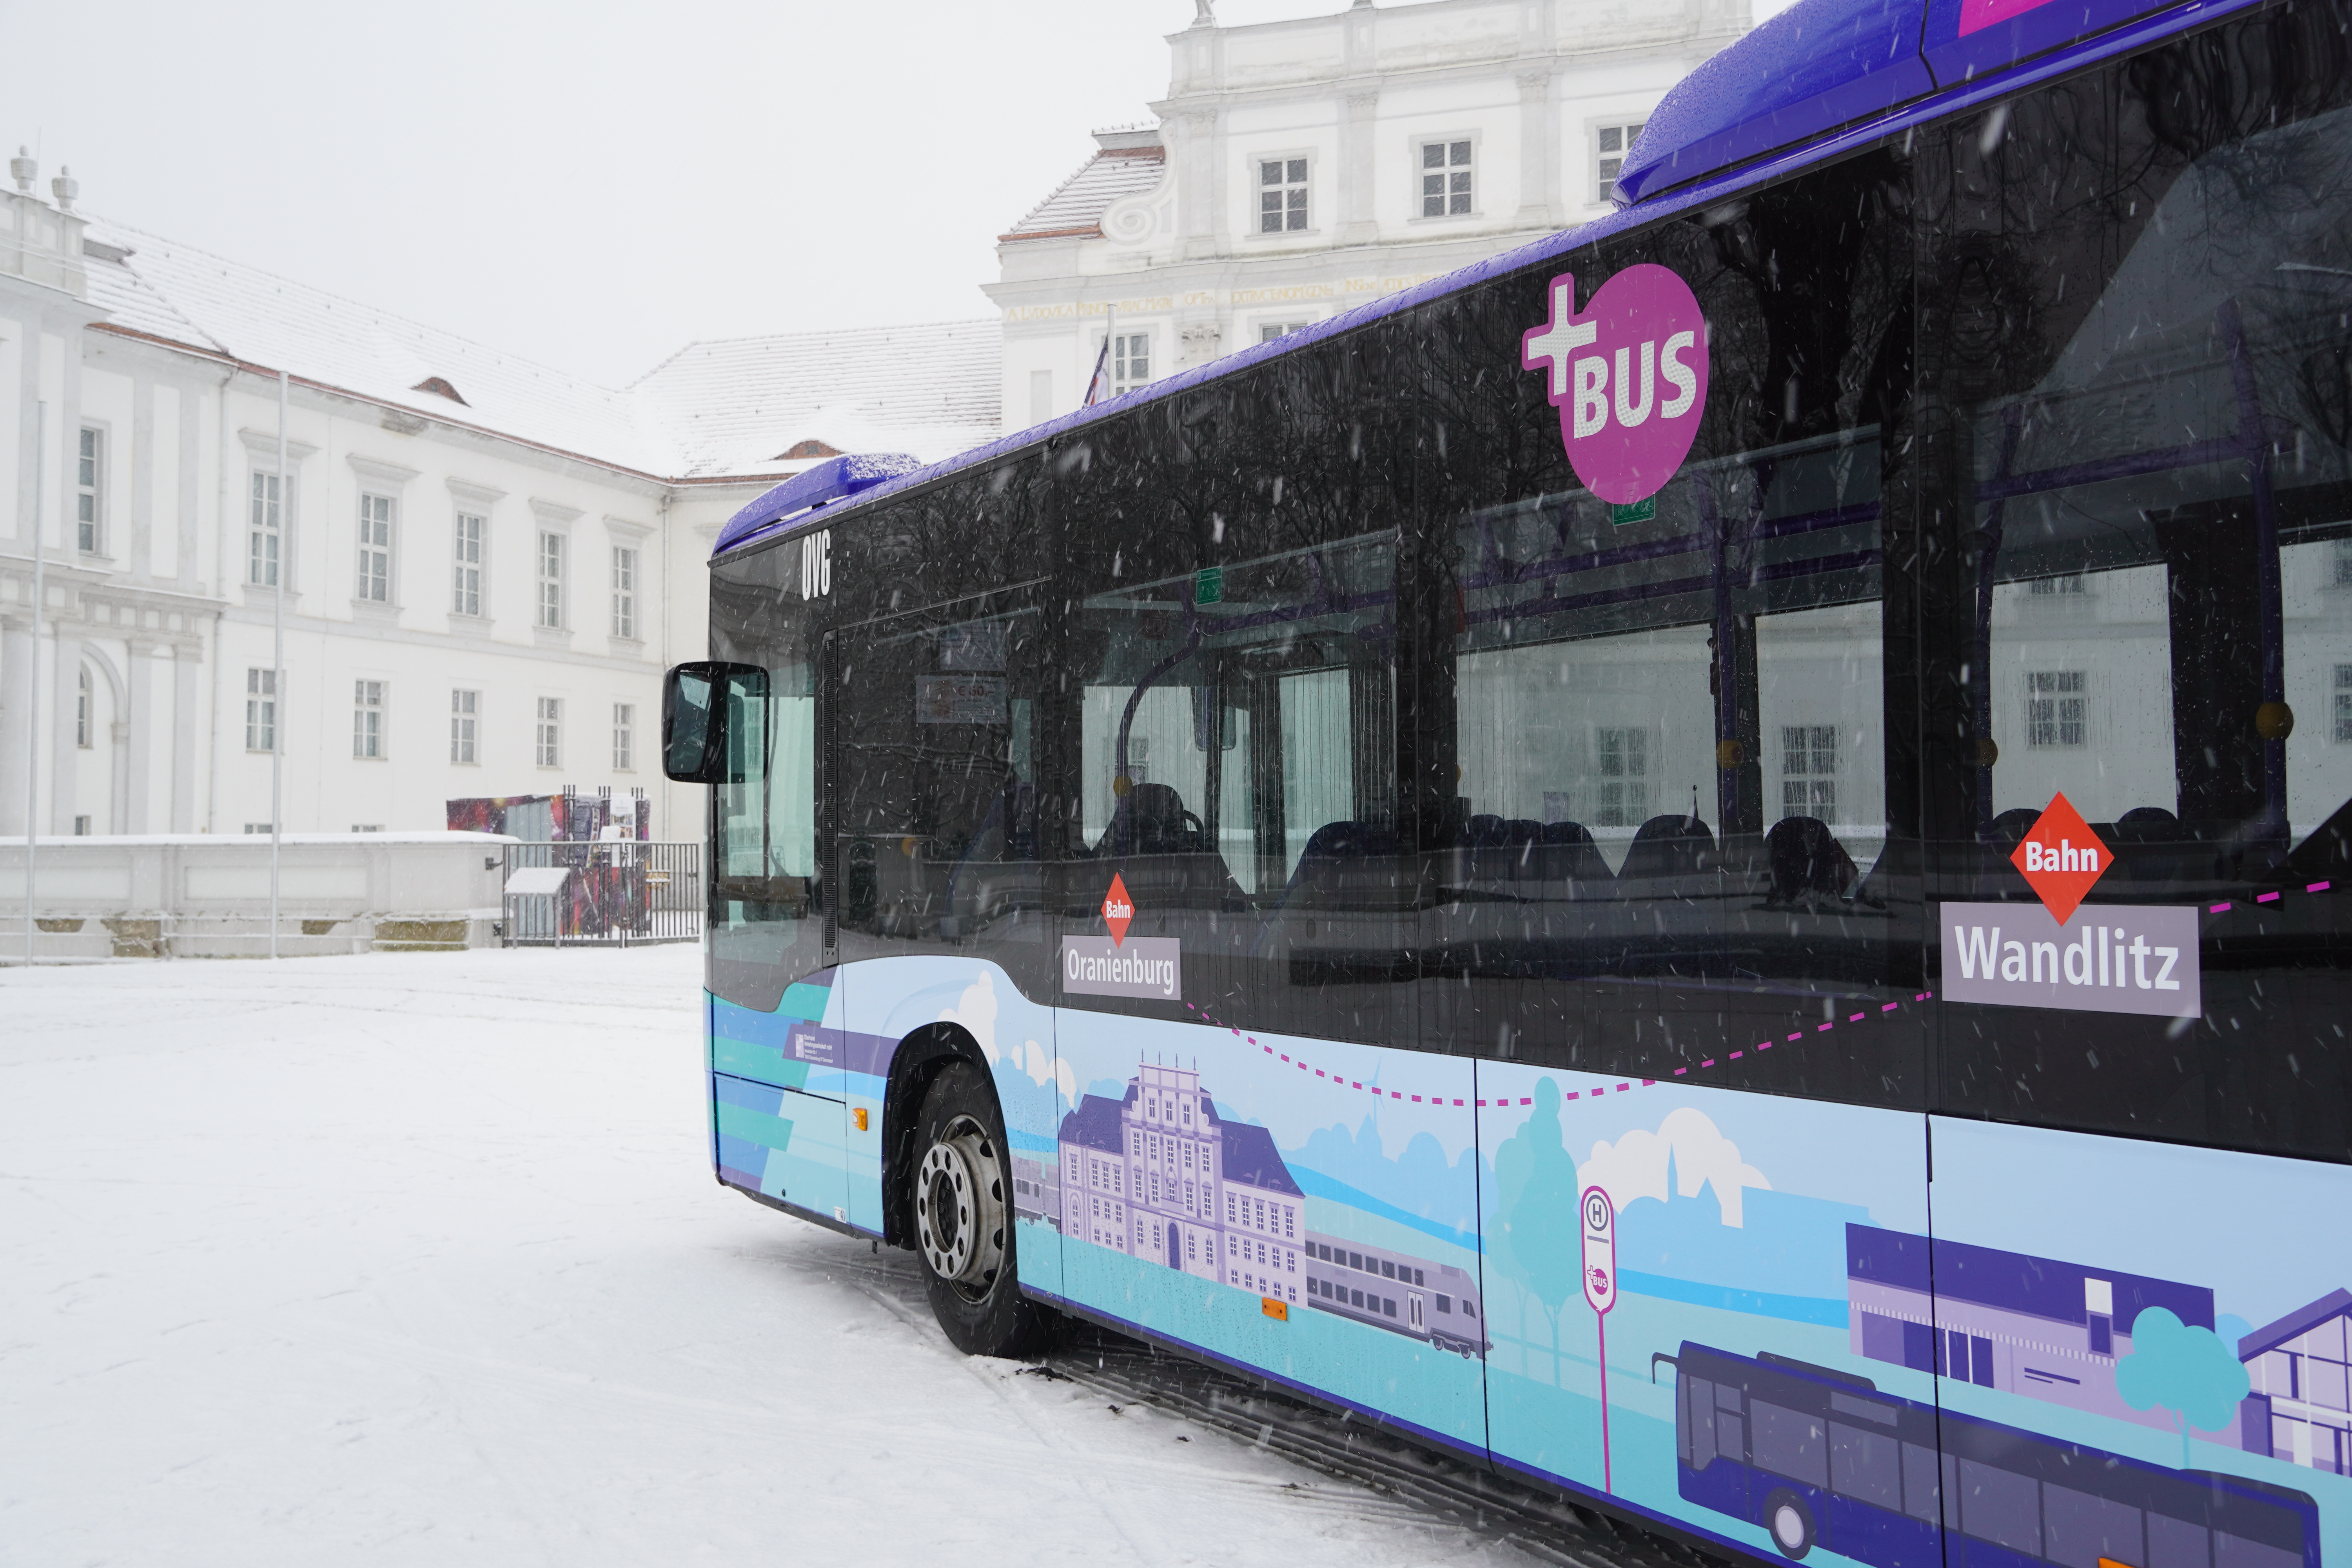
{"x":963,"y":1218}
{"x":1790,"y":1523}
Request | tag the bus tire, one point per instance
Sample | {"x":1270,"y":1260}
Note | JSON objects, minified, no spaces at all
{"x":1789,"y":1523}
{"x":963,"y":1218}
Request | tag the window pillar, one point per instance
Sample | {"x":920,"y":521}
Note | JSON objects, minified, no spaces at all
{"x":1539,"y":149}
{"x":18,"y":648}
{"x":140,"y":675}
{"x":1358,"y":113}
{"x":188,"y":663}
{"x":65,"y":760}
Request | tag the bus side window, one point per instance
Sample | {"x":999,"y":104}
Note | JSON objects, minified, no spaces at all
{"x":2177,"y":1543}
{"x":1919,"y":1482}
{"x":1869,"y":1466}
{"x":1698,"y":1424}
{"x":1790,"y":1443}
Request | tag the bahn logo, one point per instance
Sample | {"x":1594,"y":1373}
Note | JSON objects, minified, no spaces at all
{"x":2114,"y":958}
{"x":1118,"y":909}
{"x":2061,"y":859}
{"x":1629,"y":378}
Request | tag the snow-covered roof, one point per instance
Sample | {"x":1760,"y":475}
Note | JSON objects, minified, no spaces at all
{"x":736,"y":405}
{"x":711,"y":410}
{"x":1078,"y":205}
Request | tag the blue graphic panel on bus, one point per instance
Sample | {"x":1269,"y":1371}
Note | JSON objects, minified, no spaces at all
{"x":1678,"y":1229}
{"x":890,"y":999}
{"x":1205,"y":1181}
{"x":781,"y":1143}
{"x":2159,"y":1335}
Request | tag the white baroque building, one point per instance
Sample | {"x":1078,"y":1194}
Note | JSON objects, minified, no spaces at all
{"x":1301,"y":168}
{"x":487,"y":564}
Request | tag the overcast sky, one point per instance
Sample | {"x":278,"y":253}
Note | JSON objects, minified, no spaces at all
{"x":595,"y":184}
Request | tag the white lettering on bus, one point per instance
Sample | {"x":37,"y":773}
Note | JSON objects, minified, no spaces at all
{"x":1593,"y":384}
{"x":1982,"y":955}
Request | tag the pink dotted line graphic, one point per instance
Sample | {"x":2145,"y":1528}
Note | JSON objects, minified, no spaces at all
{"x":1338,"y":1080}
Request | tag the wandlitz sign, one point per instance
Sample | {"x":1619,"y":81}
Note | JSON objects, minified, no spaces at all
{"x":2108,"y":958}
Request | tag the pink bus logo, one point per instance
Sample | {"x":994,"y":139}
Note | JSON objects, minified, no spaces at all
{"x":1629,"y":378}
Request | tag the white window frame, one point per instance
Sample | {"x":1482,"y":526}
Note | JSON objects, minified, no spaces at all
{"x":263,"y":693}
{"x":265,"y":524}
{"x":1445,"y":173}
{"x":468,"y":545}
{"x":625,"y":737}
{"x":547,"y":732}
{"x":1129,"y":366}
{"x":1292,"y":182}
{"x":89,"y":490}
{"x":369,"y":732}
{"x":378,"y":523}
{"x":549,"y":563}
{"x":1631,"y":780}
{"x":628,"y":568}
{"x":1802,"y":748}
{"x":1274,"y":331}
{"x":1608,"y":162}
{"x":465,"y":726}
{"x":2059,"y":696}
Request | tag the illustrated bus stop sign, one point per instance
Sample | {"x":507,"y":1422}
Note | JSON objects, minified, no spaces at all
{"x":1599,"y":1249}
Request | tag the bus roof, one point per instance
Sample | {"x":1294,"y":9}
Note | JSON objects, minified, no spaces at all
{"x":1822,"y":79}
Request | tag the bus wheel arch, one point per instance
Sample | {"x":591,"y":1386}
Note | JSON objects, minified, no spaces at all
{"x":1789,"y":1521}
{"x":919,"y":1059}
{"x":960,"y":1198}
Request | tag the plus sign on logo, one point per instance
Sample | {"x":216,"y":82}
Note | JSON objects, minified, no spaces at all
{"x":2061,"y":858}
{"x":1629,"y":378}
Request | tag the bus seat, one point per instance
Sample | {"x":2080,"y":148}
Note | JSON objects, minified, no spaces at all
{"x":1151,"y":820}
{"x":1668,"y":846}
{"x":1805,"y":860}
{"x":1568,"y":854}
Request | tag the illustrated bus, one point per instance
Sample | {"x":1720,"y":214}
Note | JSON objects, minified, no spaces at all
{"x":1540,"y":734}
{"x":1820,"y":1458}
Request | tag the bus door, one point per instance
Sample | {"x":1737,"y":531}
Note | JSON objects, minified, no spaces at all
{"x":941,"y":844}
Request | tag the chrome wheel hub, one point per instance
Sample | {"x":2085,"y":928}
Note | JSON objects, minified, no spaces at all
{"x":960,"y":1207}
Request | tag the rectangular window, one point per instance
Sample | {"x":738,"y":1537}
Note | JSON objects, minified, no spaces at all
{"x":81,"y":827}
{"x":256,"y":827}
{"x":375,"y":550}
{"x":1270,"y":332}
{"x":262,"y":533}
{"x":1611,"y":144}
{"x":261,"y":711}
{"x":1130,"y":360}
{"x":465,"y":712}
{"x":2343,"y":704}
{"x":550,"y":732}
{"x":1809,"y":770}
{"x":466,"y":596}
{"x":625,"y":592}
{"x":2051,"y":587}
{"x":367,"y":719}
{"x":1621,"y":758}
{"x":89,"y":468}
{"x":1282,"y":195}
{"x":551,"y":580}
{"x":2055,"y":708}
{"x":625,"y":737}
{"x":81,"y":709}
{"x":1444,"y":179}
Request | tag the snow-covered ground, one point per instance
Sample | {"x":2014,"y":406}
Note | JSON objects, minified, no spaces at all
{"x":417,"y":1259}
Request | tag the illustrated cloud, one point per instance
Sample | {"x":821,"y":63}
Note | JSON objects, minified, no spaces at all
{"x":976,"y":1011}
{"x":1635,"y":1165}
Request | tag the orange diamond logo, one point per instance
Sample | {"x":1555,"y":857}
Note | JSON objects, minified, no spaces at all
{"x":1118,"y":909}
{"x":2061,"y":858}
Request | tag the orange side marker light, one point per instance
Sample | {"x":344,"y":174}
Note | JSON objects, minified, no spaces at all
{"x":860,"y":1114}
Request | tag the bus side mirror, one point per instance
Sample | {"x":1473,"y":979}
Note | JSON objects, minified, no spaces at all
{"x":696,"y":700}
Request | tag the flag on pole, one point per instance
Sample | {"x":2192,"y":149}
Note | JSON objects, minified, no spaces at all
{"x":1098,"y":387}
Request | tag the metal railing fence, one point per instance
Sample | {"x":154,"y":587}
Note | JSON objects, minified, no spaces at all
{"x":609,"y":893}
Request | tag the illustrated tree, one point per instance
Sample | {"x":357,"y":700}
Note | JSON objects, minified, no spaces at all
{"x":2186,"y":1372}
{"x":1537,"y":1244}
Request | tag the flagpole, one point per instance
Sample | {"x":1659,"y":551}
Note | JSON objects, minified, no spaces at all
{"x":32,"y":684}
{"x":278,"y":671}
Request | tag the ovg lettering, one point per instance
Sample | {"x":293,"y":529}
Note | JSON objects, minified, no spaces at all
{"x":1629,"y":378}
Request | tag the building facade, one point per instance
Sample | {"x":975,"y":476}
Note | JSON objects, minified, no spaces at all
{"x":484,"y":564}
{"x":1298,"y":169}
